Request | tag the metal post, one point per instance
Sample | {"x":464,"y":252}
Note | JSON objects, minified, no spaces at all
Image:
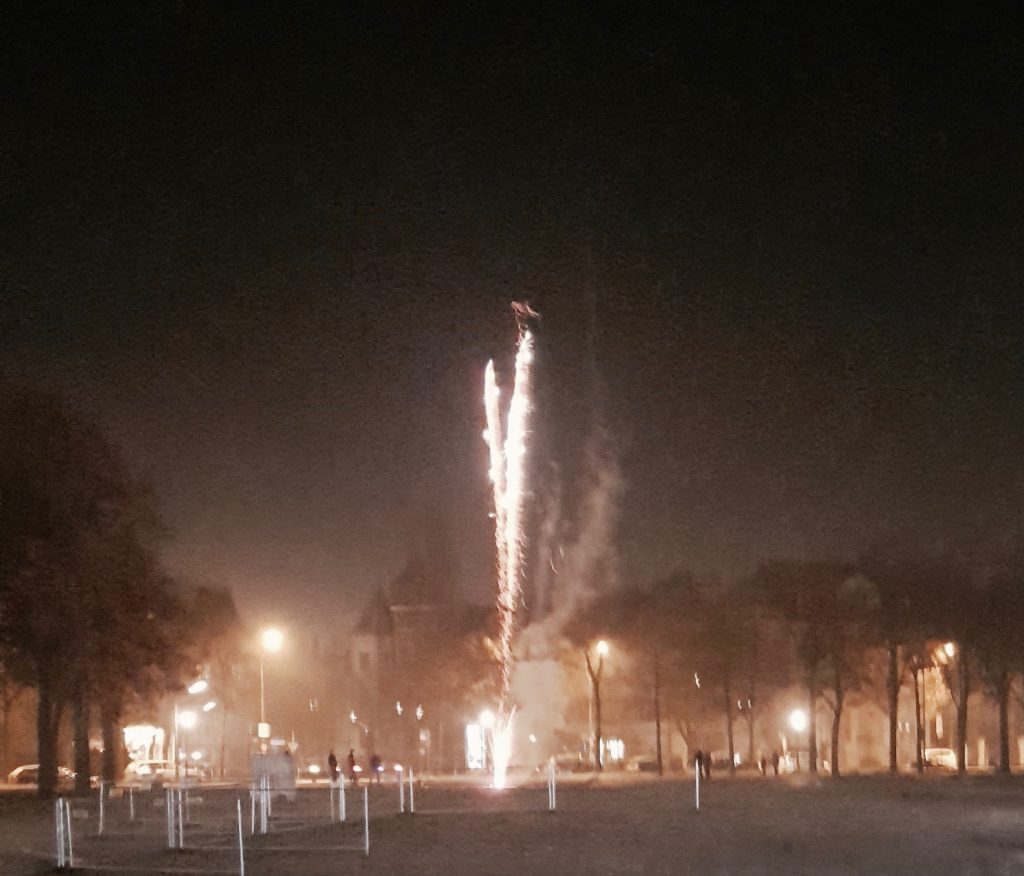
{"x":342,"y":815}
{"x":412,"y":793}
{"x":181,"y":823}
{"x":264,"y":798}
{"x":66,"y":833}
{"x":131,"y":804}
{"x":401,"y":793}
{"x":100,"y":819}
{"x":696,"y":784}
{"x":252,"y":811}
{"x":263,"y":708}
{"x":551,"y":785}
{"x":241,"y":842}
{"x":330,"y":791}
{"x":366,"y":822}
{"x":171,"y":831}
{"x":58,"y":829}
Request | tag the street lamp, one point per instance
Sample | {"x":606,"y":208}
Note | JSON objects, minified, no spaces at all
{"x":798,"y":721}
{"x":271,"y":641}
{"x":596,"y":740}
{"x":487,"y":721}
{"x":186,"y":720}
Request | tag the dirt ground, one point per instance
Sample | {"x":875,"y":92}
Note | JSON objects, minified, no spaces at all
{"x":936,"y":825}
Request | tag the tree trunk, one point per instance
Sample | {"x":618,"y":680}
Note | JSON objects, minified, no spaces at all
{"x":111,"y":743}
{"x":5,"y":732}
{"x":223,"y":736}
{"x":837,"y":716}
{"x":812,"y":729}
{"x":727,"y":692}
{"x":1003,"y":692}
{"x":80,"y":720}
{"x":657,"y":715}
{"x":893,"y":690}
{"x":919,"y":721}
{"x":751,"y":748}
{"x":47,"y":722}
{"x":961,"y":712}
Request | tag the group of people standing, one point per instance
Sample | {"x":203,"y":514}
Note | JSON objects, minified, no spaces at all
{"x":353,"y":771}
{"x":702,"y":762}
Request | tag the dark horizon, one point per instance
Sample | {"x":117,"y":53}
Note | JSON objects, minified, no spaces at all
{"x":777,"y":258}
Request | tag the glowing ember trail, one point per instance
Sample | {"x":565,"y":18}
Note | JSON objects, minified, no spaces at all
{"x":508,"y":472}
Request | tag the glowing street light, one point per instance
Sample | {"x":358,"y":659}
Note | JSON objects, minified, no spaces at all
{"x":798,"y":720}
{"x":271,"y":641}
{"x":950,"y":649}
{"x":185,"y":720}
{"x":487,"y":719}
{"x":596,"y":740}
{"x":198,"y":686}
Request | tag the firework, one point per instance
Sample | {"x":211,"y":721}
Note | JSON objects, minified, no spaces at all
{"x":508,"y":475}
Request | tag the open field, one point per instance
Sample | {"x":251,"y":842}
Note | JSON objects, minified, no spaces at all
{"x":937,"y":825}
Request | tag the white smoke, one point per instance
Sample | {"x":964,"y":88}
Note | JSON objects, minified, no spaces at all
{"x":578,"y":562}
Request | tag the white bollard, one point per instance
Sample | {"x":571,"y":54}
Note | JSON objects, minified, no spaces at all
{"x":696,"y":784}
{"x":366,"y":821}
{"x":401,"y":793}
{"x":241,"y":842}
{"x":131,"y":804}
{"x":252,"y":811}
{"x":552,"y":799}
{"x":181,"y":823}
{"x":342,"y":815}
{"x":62,"y":829}
{"x":172,"y":831}
{"x":100,"y":819}
{"x":412,"y":793}
{"x":265,"y":804}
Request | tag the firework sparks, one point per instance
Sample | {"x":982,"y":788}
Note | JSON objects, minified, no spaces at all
{"x":508,"y":474}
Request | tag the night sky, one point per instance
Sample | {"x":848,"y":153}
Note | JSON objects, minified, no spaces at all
{"x":777,"y":251}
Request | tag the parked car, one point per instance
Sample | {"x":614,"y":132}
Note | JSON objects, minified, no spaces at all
{"x":940,"y":758}
{"x":29,"y":775}
{"x":642,"y":763}
{"x":149,"y":772}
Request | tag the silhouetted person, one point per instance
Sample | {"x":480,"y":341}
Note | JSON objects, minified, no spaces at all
{"x":775,"y":762}
{"x":763,"y":764}
{"x":352,"y":774}
{"x":698,"y":760}
{"x":375,"y":767}
{"x":332,"y":766}
{"x":707,"y":766}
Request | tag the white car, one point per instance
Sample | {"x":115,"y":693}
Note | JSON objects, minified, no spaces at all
{"x":29,"y":775}
{"x":149,"y":772}
{"x":943,"y":758}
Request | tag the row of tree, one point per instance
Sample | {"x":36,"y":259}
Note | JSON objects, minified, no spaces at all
{"x":831,"y":627}
{"x":88,"y":618}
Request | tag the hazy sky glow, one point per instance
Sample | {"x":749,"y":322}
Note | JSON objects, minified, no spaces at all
{"x":779,"y":256}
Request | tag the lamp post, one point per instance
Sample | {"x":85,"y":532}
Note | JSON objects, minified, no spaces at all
{"x":186,"y":720}
{"x":798,"y":721}
{"x":196,"y":687}
{"x":594,"y":674}
{"x":271,"y":640}
{"x":486,"y":720}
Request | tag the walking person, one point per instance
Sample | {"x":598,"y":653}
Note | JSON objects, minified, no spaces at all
{"x":352,"y":774}
{"x":775,"y":762}
{"x":332,"y":766}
